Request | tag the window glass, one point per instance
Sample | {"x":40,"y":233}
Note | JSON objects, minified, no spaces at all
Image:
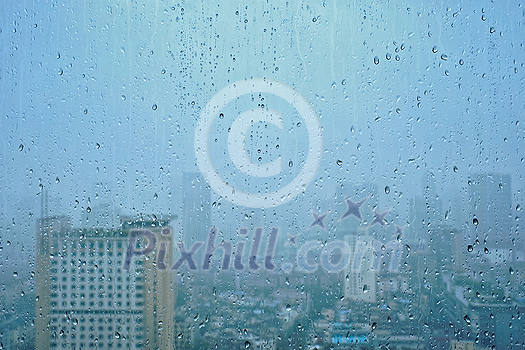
{"x":267,"y":175}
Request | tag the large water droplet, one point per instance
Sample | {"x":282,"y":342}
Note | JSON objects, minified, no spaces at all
{"x":434,"y":49}
{"x":387,"y":190}
{"x":376,"y":60}
{"x":475,"y":222}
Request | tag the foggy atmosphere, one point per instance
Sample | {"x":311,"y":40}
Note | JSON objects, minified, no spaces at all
{"x":262,"y":175}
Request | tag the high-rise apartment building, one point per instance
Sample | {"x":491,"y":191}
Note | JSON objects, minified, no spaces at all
{"x":360,"y":275}
{"x":86,"y":296}
{"x":490,"y":210}
{"x":196,"y":212}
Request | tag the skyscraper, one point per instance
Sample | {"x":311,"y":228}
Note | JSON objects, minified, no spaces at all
{"x":196,"y":211}
{"x":87,"y":297}
{"x":490,"y":209}
{"x":360,"y":277}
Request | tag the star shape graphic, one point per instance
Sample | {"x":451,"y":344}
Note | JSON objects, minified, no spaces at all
{"x":292,"y":239}
{"x":379,"y":218}
{"x":354,"y":208}
{"x":318,"y":220}
{"x":399,"y":232}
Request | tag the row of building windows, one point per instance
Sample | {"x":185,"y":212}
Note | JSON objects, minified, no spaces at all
{"x":92,"y":279}
{"x":110,"y":332}
{"x":92,"y":295}
{"x":73,"y":303}
{"x":92,"y":319}
{"x":83,"y":271}
{"x":94,"y":345}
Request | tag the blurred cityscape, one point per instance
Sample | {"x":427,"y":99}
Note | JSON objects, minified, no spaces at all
{"x":444,"y":279}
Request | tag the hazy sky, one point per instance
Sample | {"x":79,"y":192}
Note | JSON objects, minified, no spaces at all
{"x":100,"y":99}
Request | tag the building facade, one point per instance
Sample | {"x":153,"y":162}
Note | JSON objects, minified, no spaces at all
{"x":87,"y":298}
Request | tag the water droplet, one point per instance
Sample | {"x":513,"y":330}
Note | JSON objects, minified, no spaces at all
{"x":88,"y":209}
{"x":376,"y":60}
{"x":402,"y":46}
{"x":288,"y":307}
{"x":434,"y":49}
{"x":444,"y":57}
{"x":298,"y":124}
{"x":397,"y":58}
{"x":163,"y":71}
{"x":60,"y":71}
{"x":511,"y":271}
{"x":290,"y":164}
{"x":123,"y":97}
{"x":492,"y":30}
{"x":154,"y":107}
{"x":387,"y":190}
{"x":470,"y":248}
{"x":339,"y":162}
{"x":343,"y":82}
{"x":21,"y":147}
{"x":374,"y":325}
{"x":155,"y":196}
{"x":461,"y":62}
{"x":365,"y":288}
{"x":475,"y":222}
{"x":486,"y":250}
{"x":455,"y":169}
{"x":86,"y":111}
{"x":15,"y":274}
{"x":447,"y":73}
{"x":117,"y":335}
{"x":398,"y":110}
{"x":57,"y":180}
{"x":247,"y":344}
{"x":483,"y":18}
{"x":58,"y":55}
{"x":333,"y":85}
{"x":388,"y":56}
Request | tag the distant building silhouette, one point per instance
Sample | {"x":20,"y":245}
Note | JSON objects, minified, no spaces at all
{"x":490,"y":209}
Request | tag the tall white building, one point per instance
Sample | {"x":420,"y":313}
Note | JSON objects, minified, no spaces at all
{"x":360,"y":276}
